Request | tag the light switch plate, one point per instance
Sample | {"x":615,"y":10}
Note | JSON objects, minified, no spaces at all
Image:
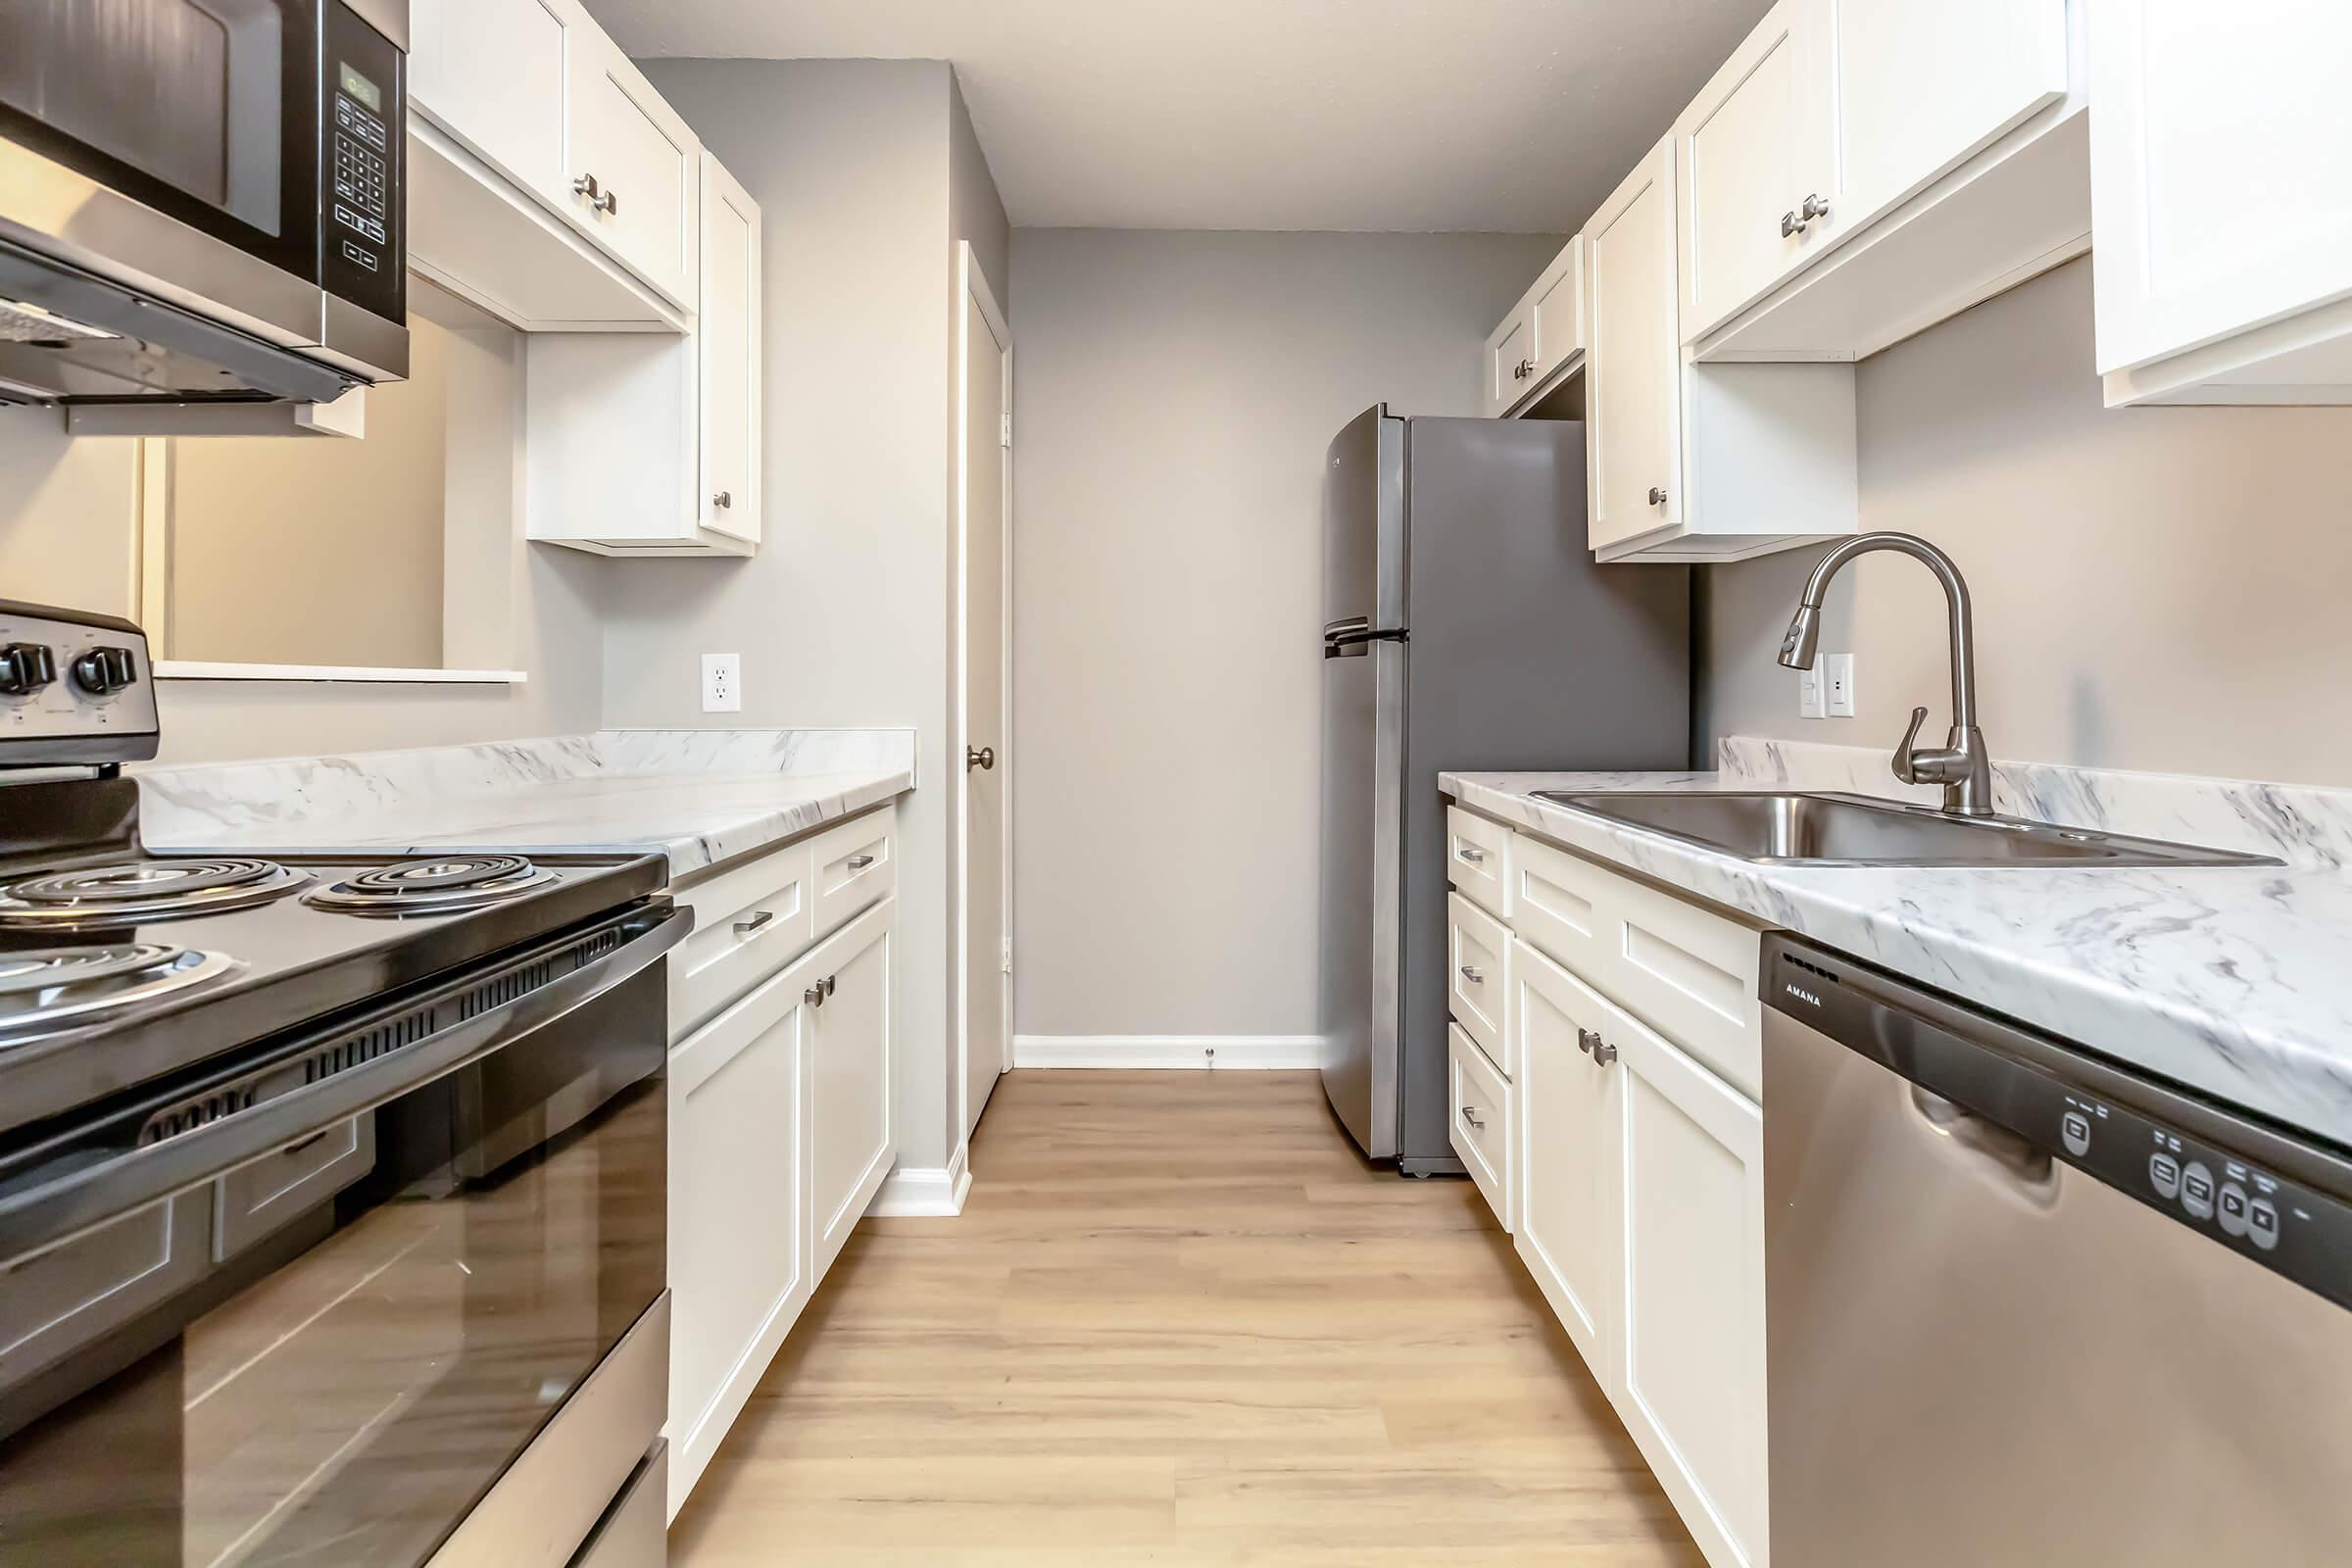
{"x":722,"y":683}
{"x":1809,"y":703}
{"x":1837,"y":677}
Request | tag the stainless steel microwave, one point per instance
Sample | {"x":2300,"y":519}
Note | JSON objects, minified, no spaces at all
{"x":201,"y":199}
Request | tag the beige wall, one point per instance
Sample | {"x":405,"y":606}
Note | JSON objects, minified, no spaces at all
{"x":2157,"y":589}
{"x":1175,"y":393}
{"x":68,"y":536}
{"x":321,"y":551}
{"x":842,"y":617}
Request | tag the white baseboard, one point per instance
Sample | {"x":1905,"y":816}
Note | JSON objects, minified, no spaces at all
{"x":922,"y":1192}
{"x":1289,"y":1053}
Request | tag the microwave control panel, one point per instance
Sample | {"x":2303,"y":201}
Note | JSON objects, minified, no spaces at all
{"x":363,"y":136}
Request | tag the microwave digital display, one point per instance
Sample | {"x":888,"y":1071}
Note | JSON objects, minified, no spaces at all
{"x":360,"y":88}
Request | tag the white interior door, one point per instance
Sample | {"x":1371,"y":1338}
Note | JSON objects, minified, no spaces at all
{"x":985,"y":377}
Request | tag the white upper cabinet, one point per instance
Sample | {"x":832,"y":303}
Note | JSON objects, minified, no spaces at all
{"x":1632,"y":399}
{"x":1556,"y":311}
{"x":634,"y":167}
{"x":493,"y":74}
{"x":633,"y":438}
{"x":1542,"y":339}
{"x":2222,"y":180}
{"x":728,"y":354}
{"x":1944,"y":156}
{"x":1921,"y":87}
{"x":547,"y":183}
{"x":1688,"y":462}
{"x":1757,"y":164}
{"x":1509,"y":362}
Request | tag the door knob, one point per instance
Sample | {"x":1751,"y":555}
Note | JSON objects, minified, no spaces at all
{"x":985,"y":759}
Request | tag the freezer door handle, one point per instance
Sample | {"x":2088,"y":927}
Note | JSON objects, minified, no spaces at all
{"x":1348,"y":628}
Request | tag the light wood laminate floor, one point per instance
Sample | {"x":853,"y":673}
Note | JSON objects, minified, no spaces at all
{"x":1180,"y":1321}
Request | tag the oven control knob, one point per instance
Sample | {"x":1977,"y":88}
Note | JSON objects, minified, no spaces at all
{"x":24,"y":668}
{"x":104,"y":671}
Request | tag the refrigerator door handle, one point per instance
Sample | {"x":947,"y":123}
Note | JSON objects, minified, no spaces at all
{"x":1353,"y":625}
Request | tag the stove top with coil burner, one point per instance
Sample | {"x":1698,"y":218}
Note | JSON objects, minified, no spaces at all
{"x":99,"y":897}
{"x":119,"y":968}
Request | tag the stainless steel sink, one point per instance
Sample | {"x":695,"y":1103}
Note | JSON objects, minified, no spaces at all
{"x":1779,"y":827}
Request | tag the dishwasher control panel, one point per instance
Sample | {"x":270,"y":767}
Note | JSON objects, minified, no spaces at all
{"x":2291,"y":1229}
{"x":2242,"y":1182}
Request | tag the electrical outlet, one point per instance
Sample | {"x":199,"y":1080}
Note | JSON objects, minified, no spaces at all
{"x":1838,"y":676}
{"x":1810,"y":704}
{"x":722,"y":683}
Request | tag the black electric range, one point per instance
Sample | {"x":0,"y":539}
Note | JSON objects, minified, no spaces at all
{"x":119,"y":968}
{"x":329,"y":1184}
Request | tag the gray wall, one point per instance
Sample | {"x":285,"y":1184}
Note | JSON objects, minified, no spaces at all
{"x":2157,"y":589}
{"x":842,"y":618}
{"x":1175,"y":394}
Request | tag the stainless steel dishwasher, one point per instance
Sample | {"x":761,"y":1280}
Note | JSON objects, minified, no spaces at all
{"x":2027,"y":1308}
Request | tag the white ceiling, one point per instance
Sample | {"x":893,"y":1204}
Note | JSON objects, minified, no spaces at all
{"x":1516,"y":115}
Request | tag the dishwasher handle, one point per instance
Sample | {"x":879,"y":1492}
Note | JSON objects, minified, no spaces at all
{"x":2020,"y":1163}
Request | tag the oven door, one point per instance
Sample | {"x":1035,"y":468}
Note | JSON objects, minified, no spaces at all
{"x":412,"y":1299}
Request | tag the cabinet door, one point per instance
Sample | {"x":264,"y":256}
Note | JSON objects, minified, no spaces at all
{"x":646,"y":164}
{"x":2221,"y":187}
{"x":1633,"y":360}
{"x":1556,"y":309}
{"x":1567,"y":1151}
{"x":1510,"y":359}
{"x":850,"y":1094}
{"x":1751,"y":150}
{"x":739,"y":1265}
{"x":1921,"y":87}
{"x":727,"y":342}
{"x":492,"y":73}
{"x":1693,"y":1302}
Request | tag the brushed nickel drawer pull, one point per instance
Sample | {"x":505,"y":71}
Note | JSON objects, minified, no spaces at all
{"x":744,"y":928}
{"x":1474,"y":974}
{"x":859,"y":862}
{"x":1472,"y":853}
{"x":1470,"y":1115}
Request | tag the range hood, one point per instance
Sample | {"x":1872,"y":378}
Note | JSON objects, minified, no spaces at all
{"x":69,"y":336}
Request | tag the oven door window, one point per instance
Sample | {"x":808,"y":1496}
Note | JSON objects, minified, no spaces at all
{"x":205,"y":110}
{"x":332,"y":1354}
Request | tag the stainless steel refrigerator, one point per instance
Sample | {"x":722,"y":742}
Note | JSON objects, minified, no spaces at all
{"x":1466,"y":627}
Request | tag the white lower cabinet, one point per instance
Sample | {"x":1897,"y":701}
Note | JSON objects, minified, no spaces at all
{"x":850,"y":1079}
{"x":739,"y":1261}
{"x":1690,"y":1369}
{"x":1481,"y":1121}
{"x":1636,"y":1197}
{"x":780,"y":1120}
{"x":1568,"y":1113}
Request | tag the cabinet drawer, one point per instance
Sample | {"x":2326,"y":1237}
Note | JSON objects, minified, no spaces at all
{"x":1481,"y":1122}
{"x":252,"y":1201}
{"x":1478,"y":859}
{"x":1686,"y":971}
{"x":1477,"y":977}
{"x":854,"y":867}
{"x":748,"y":921}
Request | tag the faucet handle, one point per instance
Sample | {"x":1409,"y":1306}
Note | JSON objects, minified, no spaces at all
{"x":1905,"y":758}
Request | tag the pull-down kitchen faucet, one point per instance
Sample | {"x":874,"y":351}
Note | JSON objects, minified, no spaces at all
{"x":1961,"y":764}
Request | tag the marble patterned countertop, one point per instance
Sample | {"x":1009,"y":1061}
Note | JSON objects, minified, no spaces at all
{"x":700,"y":797}
{"x":2236,"y":982}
